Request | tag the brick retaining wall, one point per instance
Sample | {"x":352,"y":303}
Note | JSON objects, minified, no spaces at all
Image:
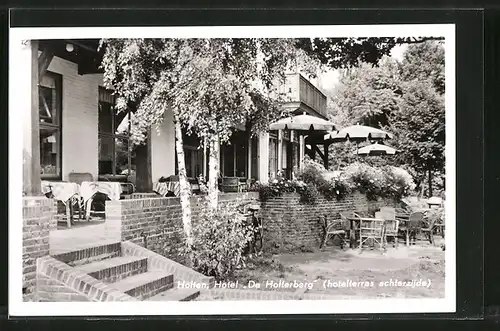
{"x":289,"y":224}
{"x":39,"y":218}
{"x":58,"y":282}
{"x":156,"y":223}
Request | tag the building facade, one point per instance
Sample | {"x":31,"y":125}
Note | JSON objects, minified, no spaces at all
{"x":70,"y":125}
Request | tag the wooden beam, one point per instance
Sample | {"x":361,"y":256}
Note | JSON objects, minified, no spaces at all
{"x":326,"y":159}
{"x":35,"y":176}
{"x":44,"y":61}
{"x":313,"y":151}
{"x":316,"y":148}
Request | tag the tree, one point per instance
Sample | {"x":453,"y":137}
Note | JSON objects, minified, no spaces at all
{"x":425,"y":61}
{"x":368,"y":94}
{"x":405,"y":99}
{"x":339,"y":53}
{"x":210,"y":85}
{"x":419,"y":125}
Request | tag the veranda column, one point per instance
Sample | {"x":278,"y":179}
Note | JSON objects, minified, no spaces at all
{"x":294,"y":164}
{"x":264,"y":157}
{"x":249,"y":157}
{"x":301,"y":150}
{"x":26,"y":81}
{"x":163,"y":148}
{"x":280,"y":150}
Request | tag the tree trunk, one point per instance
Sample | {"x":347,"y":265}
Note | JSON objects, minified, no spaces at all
{"x":430,"y":181}
{"x":213,"y":172}
{"x":185,"y":191}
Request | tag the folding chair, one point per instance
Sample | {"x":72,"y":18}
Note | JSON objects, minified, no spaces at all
{"x":371,"y":230}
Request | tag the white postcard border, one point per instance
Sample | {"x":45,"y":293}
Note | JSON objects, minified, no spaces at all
{"x":19,"y":308}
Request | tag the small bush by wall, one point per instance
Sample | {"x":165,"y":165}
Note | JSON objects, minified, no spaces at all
{"x":156,"y":223}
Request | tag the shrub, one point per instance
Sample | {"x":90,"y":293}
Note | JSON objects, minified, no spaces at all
{"x":309,"y":194}
{"x":386,"y":182}
{"x":399,"y":183}
{"x":276,"y":188}
{"x":219,"y":240}
{"x":375,"y":182}
{"x":365,"y":179}
{"x":314,"y":173}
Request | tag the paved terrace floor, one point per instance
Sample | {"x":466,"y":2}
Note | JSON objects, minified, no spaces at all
{"x":81,"y":235}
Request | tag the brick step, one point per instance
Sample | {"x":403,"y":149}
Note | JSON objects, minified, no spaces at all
{"x":116,"y":268}
{"x":176,"y":294}
{"x":90,"y":254}
{"x":145,"y":285}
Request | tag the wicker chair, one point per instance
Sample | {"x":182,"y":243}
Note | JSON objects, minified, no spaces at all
{"x":338,"y":227}
{"x":391,"y":224}
{"x":413,"y":227}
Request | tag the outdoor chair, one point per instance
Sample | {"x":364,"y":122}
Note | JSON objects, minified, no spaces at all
{"x":338,"y":227}
{"x":127,"y":188}
{"x":79,"y":178}
{"x":353,"y":226}
{"x":362,"y":213}
{"x":391,"y":224}
{"x":371,"y":231}
{"x":413,"y":226}
{"x":230,"y":184}
{"x":432,"y":222}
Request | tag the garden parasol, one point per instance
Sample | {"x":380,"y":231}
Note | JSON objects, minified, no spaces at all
{"x":303,"y":122}
{"x":358,"y":133}
{"x":376,"y":149}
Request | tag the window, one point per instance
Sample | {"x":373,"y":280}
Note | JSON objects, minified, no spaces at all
{"x":255,"y":158}
{"x":234,"y":155}
{"x":273,"y":154}
{"x":116,"y":157}
{"x":194,"y":161}
{"x":49,"y":109}
{"x":193,"y":155}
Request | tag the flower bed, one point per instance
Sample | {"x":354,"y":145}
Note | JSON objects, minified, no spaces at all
{"x":312,"y":183}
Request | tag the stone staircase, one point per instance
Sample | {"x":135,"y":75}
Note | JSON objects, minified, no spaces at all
{"x":125,"y":268}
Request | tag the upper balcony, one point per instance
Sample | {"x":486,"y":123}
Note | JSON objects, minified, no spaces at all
{"x":304,"y":96}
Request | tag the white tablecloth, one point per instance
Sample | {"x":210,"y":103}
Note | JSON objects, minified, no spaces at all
{"x":62,"y":191}
{"x":162,"y":188}
{"x":111,"y":189}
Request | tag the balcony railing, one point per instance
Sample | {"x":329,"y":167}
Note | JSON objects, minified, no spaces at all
{"x":299,"y":89}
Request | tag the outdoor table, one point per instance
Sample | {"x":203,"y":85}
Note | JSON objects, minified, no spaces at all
{"x":64,"y":192}
{"x":88,"y":189}
{"x":162,"y":188}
